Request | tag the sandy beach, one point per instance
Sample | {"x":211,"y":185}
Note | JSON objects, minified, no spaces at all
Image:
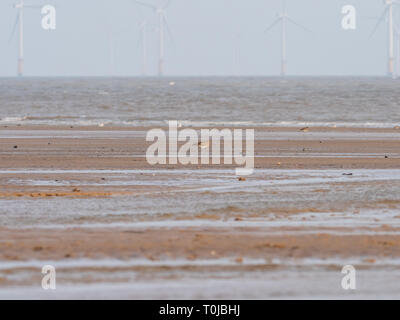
{"x":85,"y":200}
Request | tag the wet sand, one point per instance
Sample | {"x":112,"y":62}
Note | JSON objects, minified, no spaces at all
{"x":318,"y":200}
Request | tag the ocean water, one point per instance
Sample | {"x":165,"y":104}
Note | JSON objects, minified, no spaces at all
{"x":347,"y":102}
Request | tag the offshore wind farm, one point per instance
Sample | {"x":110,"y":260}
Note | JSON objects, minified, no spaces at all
{"x":157,"y":48}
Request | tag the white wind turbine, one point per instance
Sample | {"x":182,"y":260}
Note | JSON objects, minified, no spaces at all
{"x":162,"y":25}
{"x":397,"y":31}
{"x":113,"y":36}
{"x":284,"y":18}
{"x":144,"y":28}
{"x":20,"y":22}
{"x":388,"y":13}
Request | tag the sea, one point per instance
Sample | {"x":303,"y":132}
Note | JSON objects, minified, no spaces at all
{"x":210,"y":101}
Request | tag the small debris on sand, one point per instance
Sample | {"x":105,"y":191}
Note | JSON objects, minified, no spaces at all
{"x":347,"y":174}
{"x":273,"y":245}
{"x":239,"y":260}
{"x":386,"y":157}
{"x":192,"y":257}
{"x":15,"y":147}
{"x":305,"y":129}
{"x":76,"y":190}
{"x":370,"y":260}
{"x":242,"y":179}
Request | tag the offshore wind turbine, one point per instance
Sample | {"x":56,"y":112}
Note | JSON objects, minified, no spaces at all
{"x":20,"y":22}
{"x":283,"y":18}
{"x":397,"y":37}
{"x":388,"y":13}
{"x":143,"y":42}
{"x":162,"y":25}
{"x":398,"y":53}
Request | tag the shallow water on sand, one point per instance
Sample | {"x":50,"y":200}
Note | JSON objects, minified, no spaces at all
{"x":253,"y":279}
{"x":175,"y":198}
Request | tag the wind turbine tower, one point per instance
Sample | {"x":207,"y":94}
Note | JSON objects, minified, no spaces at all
{"x":20,"y":21}
{"x":162,"y":26}
{"x":398,"y":53}
{"x":143,"y":40}
{"x":283,"y":19}
{"x":388,"y":13}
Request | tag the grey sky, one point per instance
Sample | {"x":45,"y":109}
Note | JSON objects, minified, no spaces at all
{"x":205,"y":33}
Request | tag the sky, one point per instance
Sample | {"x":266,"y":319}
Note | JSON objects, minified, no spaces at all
{"x":209,"y":38}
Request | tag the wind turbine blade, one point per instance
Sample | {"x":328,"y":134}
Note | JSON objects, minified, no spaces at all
{"x":272,"y":25}
{"x":14,"y":28}
{"x":167,"y":4}
{"x":144,"y":4}
{"x":299,"y":25}
{"x":379,"y":21}
{"x":169,"y":31}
